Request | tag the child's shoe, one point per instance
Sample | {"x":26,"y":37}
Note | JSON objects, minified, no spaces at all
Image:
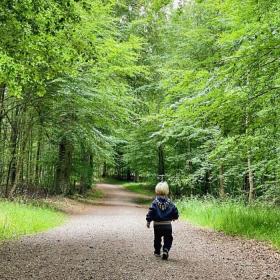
{"x":165,"y":254}
{"x":157,"y":253}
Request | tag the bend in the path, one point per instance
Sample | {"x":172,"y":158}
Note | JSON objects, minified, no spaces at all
{"x":115,"y":195}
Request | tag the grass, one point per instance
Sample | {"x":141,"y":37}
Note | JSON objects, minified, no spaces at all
{"x":259,"y":222}
{"x":89,"y":197}
{"x":137,"y":187}
{"x":110,"y":180}
{"x":21,"y":219}
{"x":141,"y":188}
{"x":143,"y":201}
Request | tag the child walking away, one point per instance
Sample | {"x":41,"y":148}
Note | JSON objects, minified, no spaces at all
{"x":162,"y":212}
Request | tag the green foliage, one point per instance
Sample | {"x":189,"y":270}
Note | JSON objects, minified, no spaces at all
{"x":90,"y":196}
{"x":142,"y":188}
{"x":35,"y":46}
{"x":70,"y":65}
{"x":138,"y":89}
{"x":213,"y":99}
{"x":21,"y":219}
{"x":258,"y":221}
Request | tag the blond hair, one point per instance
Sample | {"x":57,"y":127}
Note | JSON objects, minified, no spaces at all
{"x":162,"y":188}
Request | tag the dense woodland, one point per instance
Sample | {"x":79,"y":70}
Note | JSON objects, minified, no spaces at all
{"x":136,"y":89}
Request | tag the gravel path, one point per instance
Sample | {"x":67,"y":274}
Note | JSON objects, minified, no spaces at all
{"x":110,"y":241}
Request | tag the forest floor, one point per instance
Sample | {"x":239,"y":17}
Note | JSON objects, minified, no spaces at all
{"x":110,"y":240}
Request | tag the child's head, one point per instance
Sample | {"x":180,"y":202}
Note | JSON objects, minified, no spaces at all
{"x":162,"y":189}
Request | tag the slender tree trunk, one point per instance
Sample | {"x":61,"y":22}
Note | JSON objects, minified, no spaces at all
{"x":189,"y":156}
{"x":128,"y":174}
{"x":90,"y":169}
{"x":20,"y":158}
{"x":2,"y":97}
{"x":29,"y":159}
{"x":251,"y":179}
{"x":38,"y":153}
{"x":3,"y":162}
{"x":104,"y":171}
{"x":222,"y":182}
{"x":249,"y":166}
{"x":161,"y":167}
{"x":2,"y":137}
{"x":207,"y":183}
{"x":11,"y":175}
{"x":136,"y":178}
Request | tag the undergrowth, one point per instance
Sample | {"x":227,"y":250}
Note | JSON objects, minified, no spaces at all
{"x":142,"y":188}
{"x":256,"y":221}
{"x":18,"y":219}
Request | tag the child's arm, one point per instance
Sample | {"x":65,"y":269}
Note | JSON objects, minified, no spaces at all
{"x":150,"y":215}
{"x":175,"y":213}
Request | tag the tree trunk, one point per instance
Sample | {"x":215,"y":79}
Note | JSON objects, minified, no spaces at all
{"x":249,"y":164}
{"x":222,"y":182}
{"x":206,"y":187}
{"x":161,"y":167}
{"x":64,"y":167}
{"x":104,"y":172}
{"x":86,"y":176}
{"x":11,"y":176}
{"x":2,"y":97}
{"x":136,"y":178}
{"x":20,"y":158}
{"x":251,"y":179}
{"x":2,"y":137}
{"x":128,"y":174}
{"x":38,"y":153}
{"x":190,"y":165}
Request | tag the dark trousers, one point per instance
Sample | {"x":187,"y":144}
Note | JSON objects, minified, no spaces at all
{"x":164,"y":231}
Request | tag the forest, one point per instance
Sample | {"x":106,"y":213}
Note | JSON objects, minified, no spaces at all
{"x":185,"y":91}
{"x":126,"y":125}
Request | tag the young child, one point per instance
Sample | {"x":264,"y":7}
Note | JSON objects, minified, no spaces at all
{"x":162,"y":212}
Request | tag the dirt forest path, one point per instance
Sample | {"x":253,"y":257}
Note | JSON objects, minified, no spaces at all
{"x":110,"y":241}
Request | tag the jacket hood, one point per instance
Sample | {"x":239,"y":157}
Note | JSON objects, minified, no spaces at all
{"x":162,"y":202}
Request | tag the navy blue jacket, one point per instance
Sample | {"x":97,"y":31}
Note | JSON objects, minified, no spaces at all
{"x":162,"y":209}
